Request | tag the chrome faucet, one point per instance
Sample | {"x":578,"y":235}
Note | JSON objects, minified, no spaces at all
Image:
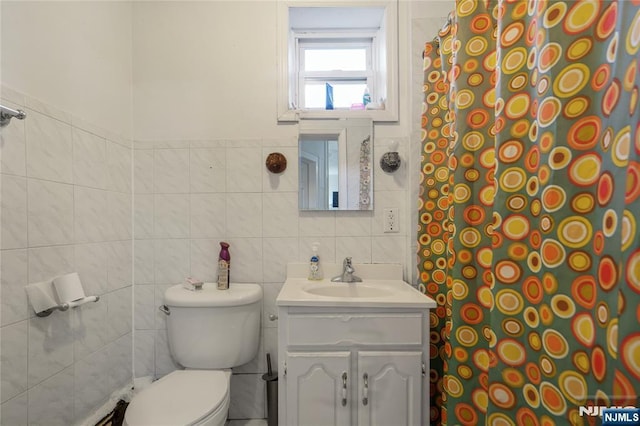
{"x":347,"y":273}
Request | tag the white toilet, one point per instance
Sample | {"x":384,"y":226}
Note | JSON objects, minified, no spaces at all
{"x":209,"y":332}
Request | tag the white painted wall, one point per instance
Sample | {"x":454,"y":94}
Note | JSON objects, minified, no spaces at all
{"x":205,"y":70}
{"x":73,"y":55}
{"x":66,"y":206}
{"x":208,"y":69}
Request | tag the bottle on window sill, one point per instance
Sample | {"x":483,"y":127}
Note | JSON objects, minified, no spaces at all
{"x":366,"y":97}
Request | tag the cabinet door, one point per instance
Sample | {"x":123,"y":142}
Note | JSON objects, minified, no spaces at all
{"x":318,"y":388}
{"x":389,"y":388}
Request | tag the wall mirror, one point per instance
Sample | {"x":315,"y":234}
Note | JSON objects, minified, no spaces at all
{"x":335,"y":164}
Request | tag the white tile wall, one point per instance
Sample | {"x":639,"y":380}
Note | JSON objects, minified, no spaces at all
{"x":49,"y":403}
{"x":50,"y":347}
{"x":171,"y":171}
{"x":144,"y":349}
{"x":90,"y":208}
{"x":144,"y":307}
{"x":171,"y":258}
{"x":208,"y":170}
{"x":208,"y":215}
{"x":119,"y":211}
{"x":92,"y":334}
{"x":49,"y":148}
{"x":14,"y":211}
{"x":144,"y":262}
{"x":244,"y":168}
{"x":13,"y":144}
{"x":15,"y":342}
{"x":203,"y":264}
{"x":119,"y":167}
{"x":171,"y":216}
{"x":87,"y":372}
{"x":14,"y":275}
{"x":92,"y":265}
{"x":66,"y":206}
{"x":119,"y":264}
{"x":192,"y":195}
{"x":47,"y":262}
{"x":244,"y":214}
{"x":50,"y":213}
{"x":247,"y":397}
{"x":89,"y":159}
{"x":15,"y":410}
{"x":143,"y":171}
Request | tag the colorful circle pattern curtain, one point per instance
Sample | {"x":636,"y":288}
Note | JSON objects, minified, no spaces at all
{"x":529,"y":209}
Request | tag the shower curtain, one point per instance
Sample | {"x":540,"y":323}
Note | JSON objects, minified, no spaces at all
{"x":529,"y":203}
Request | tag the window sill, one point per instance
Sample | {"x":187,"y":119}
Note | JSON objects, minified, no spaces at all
{"x":376,"y":115}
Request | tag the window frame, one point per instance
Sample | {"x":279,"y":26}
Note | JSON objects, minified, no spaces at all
{"x":384,"y":56}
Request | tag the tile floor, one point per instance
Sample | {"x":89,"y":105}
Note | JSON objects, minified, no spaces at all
{"x":251,"y":422}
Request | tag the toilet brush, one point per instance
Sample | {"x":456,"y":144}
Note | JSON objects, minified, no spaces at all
{"x":272,"y":394}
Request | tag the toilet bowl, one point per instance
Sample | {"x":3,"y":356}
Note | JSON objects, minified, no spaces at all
{"x":209,"y":331}
{"x":183,"y":397}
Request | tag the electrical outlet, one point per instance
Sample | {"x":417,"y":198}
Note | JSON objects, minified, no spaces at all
{"x":391,"y":220}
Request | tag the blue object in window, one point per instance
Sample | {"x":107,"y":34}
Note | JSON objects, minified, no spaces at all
{"x":329,"y":96}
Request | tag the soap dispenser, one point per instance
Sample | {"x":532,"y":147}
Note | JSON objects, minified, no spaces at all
{"x":315,"y":273}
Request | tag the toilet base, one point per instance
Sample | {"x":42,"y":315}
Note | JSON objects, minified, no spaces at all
{"x":218,"y":417}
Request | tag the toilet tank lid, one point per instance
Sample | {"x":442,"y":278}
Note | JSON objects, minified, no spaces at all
{"x":236,"y":295}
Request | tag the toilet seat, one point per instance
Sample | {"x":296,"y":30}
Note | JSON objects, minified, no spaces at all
{"x":183,"y":397}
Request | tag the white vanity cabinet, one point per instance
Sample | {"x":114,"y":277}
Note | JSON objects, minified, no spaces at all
{"x":316,"y":386}
{"x":352,"y":366}
{"x":352,"y":354}
{"x":389,"y":387}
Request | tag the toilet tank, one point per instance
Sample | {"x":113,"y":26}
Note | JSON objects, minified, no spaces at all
{"x":211,"y":328}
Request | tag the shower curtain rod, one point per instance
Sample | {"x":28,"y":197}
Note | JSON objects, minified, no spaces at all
{"x":6,"y":114}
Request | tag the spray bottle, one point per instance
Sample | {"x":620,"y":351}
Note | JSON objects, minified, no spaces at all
{"x":224,"y":263}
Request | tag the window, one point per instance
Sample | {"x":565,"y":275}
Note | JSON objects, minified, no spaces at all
{"x":330,"y":56}
{"x":343,"y":64}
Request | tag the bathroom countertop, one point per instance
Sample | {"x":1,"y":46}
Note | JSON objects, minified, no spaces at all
{"x":382,"y":287}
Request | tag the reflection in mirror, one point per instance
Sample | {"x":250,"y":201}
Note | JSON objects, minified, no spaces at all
{"x":335,"y":164}
{"x":319,"y":189}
